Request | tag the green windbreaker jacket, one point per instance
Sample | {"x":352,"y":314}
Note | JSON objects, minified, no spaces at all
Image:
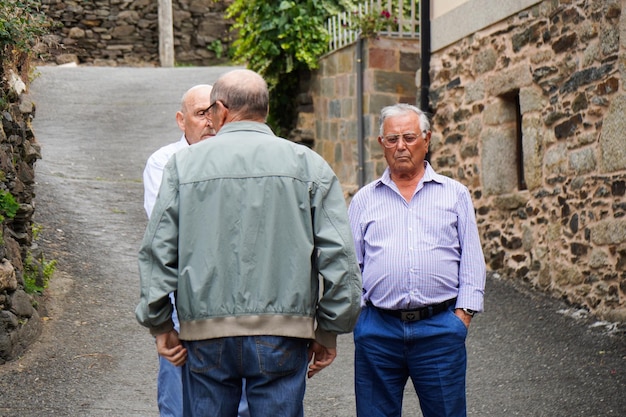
{"x":251,"y":232}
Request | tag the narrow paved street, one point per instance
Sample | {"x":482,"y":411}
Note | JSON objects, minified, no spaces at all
{"x":528,"y":354}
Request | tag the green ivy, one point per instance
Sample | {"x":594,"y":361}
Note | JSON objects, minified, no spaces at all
{"x":21,"y":23}
{"x":279,"y":43}
{"x":8,"y":205}
{"x":37,"y":273}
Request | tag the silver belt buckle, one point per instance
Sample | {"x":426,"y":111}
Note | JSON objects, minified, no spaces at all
{"x":409,"y":316}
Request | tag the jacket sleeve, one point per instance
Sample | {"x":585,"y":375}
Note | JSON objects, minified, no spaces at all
{"x":339,"y":303}
{"x":158,"y":257}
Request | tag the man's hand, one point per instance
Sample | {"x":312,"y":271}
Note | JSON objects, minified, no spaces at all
{"x":321,"y":356}
{"x":465,"y":318}
{"x":169,"y":346}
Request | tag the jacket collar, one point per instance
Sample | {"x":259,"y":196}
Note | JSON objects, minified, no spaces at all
{"x":245,"y":125}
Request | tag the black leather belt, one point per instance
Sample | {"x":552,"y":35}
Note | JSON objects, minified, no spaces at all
{"x":417,"y":314}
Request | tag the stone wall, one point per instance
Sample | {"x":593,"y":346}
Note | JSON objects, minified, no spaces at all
{"x":20,"y":324}
{"x":529,"y":114}
{"x":125,"y":32}
{"x":389,"y":68}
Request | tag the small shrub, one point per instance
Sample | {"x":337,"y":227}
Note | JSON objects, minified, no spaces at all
{"x":8,"y":205}
{"x":370,"y":24}
{"x":37,"y":273}
{"x":217,"y":48}
{"x":281,"y":41}
{"x":21,"y":25}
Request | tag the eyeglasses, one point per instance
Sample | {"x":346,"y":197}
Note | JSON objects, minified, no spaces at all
{"x":409,"y":138}
{"x":206,"y":112}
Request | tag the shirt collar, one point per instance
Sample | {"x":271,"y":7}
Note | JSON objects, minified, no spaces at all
{"x":245,"y":125}
{"x":429,"y":176}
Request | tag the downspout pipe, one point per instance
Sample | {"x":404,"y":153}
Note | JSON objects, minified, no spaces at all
{"x":425,"y":67}
{"x":425,"y":52}
{"x":359,"y":112}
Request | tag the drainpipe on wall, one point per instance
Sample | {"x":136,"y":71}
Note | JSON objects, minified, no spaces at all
{"x":425,"y":68}
{"x":425,"y":50}
{"x":359,"y":112}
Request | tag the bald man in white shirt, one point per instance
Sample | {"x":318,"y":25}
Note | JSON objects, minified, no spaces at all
{"x":195,"y":123}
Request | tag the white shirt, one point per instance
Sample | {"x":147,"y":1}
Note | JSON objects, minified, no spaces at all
{"x":152,"y":176}
{"x":153,"y":172}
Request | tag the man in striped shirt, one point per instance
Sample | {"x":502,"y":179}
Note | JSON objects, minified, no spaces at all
{"x":423,"y":269}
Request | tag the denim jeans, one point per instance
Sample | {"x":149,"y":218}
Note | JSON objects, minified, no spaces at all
{"x":169,"y":381}
{"x":169,"y":389}
{"x":273,"y":367}
{"x":170,"y":384}
{"x":431,"y":352}
{"x":170,"y":392}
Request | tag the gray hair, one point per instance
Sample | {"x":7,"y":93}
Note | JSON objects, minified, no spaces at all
{"x":243,"y":91}
{"x":400,"y":109}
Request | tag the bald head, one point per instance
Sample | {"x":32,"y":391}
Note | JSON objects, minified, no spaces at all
{"x":191,"y":117}
{"x":196,"y":93}
{"x":244,"y":94}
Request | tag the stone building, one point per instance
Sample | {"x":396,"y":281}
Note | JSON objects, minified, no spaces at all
{"x":528,"y":108}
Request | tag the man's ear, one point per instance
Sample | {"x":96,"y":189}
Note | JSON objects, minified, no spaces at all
{"x":180,"y":120}
{"x":427,"y":136}
{"x":220,"y":116}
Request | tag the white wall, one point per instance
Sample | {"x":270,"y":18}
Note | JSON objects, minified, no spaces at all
{"x":441,"y":7}
{"x":461,"y":18}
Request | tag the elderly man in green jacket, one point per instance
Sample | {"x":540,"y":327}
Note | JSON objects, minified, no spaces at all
{"x":251,"y":232}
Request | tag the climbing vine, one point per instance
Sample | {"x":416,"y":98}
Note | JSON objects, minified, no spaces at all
{"x":280,"y":43}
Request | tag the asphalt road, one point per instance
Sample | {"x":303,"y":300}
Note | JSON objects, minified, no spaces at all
{"x":529,"y":355}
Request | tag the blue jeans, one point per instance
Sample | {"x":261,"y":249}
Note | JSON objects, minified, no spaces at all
{"x":169,"y":381}
{"x":274,"y":369}
{"x":170,"y":384}
{"x":170,"y":392}
{"x":169,"y":389}
{"x":431,"y":352}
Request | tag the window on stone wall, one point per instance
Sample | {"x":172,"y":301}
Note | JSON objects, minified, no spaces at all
{"x":514,"y":102}
{"x":502,"y":156}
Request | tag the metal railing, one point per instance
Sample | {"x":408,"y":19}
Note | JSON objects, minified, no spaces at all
{"x":403,"y":21}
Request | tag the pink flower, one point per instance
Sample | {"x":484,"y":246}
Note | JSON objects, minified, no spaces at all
{"x":385,"y":14}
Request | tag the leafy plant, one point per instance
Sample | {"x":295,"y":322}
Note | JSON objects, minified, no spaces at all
{"x":370,"y":24}
{"x":21,"y":23}
{"x":279,"y":43}
{"x":36,"y":228}
{"x":217,"y":48}
{"x":8,"y":205}
{"x":37,"y":273}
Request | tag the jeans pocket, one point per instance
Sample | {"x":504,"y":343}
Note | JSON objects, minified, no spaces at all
{"x":280,"y":355}
{"x":205,"y":355}
{"x":459,"y":324}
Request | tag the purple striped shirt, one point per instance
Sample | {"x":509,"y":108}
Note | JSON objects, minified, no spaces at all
{"x":422,"y":252}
